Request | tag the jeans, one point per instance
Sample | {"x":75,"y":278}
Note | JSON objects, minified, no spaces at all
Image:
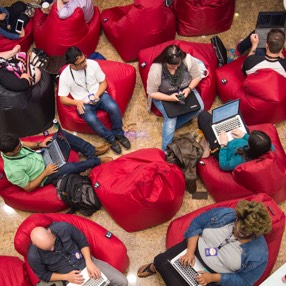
{"x":246,"y":45}
{"x":79,"y":145}
{"x":171,"y":124}
{"x":108,"y":104}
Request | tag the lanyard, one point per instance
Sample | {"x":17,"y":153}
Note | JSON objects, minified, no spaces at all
{"x":228,"y":240}
{"x":85,"y":80}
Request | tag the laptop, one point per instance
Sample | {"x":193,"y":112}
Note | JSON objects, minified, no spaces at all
{"x":187,"y":272}
{"x":88,"y":281}
{"x":267,"y":21}
{"x":227,"y":118}
{"x":57,"y":151}
{"x":174,"y":108}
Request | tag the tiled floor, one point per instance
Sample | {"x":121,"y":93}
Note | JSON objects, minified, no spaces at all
{"x":144,"y":130}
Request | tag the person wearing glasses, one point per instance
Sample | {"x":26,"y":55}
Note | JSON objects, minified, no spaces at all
{"x":228,"y":242}
{"x":171,"y":73}
{"x":84,"y":80}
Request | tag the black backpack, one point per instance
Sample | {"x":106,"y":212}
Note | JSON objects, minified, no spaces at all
{"x":220,"y":50}
{"x":76,"y":191}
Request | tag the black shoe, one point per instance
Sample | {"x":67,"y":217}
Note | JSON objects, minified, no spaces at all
{"x":115,"y":147}
{"x":123,"y":141}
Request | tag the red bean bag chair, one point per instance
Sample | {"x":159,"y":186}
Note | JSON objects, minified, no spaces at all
{"x":204,"y":52}
{"x":25,"y":42}
{"x":262,"y":94}
{"x":55,"y":35}
{"x":137,"y":26}
{"x":177,"y":227}
{"x":120,"y":78}
{"x":13,"y":272}
{"x":267,"y":174}
{"x":43,"y":199}
{"x":203,"y":17}
{"x":140,"y":189}
{"x":111,"y":250}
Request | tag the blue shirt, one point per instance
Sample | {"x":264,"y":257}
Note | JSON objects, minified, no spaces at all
{"x":5,"y":33}
{"x":254,"y":255}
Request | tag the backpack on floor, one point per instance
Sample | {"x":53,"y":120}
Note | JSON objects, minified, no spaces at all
{"x":76,"y":191}
{"x":220,"y":50}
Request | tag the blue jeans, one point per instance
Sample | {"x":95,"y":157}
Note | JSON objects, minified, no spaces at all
{"x":171,"y":124}
{"x":246,"y":45}
{"x":79,"y":145}
{"x":108,"y":104}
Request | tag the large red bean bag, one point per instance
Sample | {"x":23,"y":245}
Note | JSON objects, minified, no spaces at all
{"x":203,"y":17}
{"x":177,"y":227}
{"x":25,"y":42}
{"x":55,"y":35}
{"x":140,"y":189}
{"x":204,"y":52}
{"x":120,"y":78}
{"x":111,"y":250}
{"x":13,"y":272}
{"x":137,"y":26}
{"x":267,"y":174}
{"x":42,"y":199}
{"x":262,"y":94}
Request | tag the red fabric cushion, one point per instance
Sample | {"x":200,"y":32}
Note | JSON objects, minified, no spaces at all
{"x":112,"y":250}
{"x":177,"y":227}
{"x":140,"y":183}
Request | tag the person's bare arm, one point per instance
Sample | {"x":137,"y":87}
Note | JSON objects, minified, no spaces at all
{"x":70,"y":101}
{"x":254,"y":43}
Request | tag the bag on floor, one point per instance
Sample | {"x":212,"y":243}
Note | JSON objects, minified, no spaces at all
{"x":38,"y":58}
{"x":220,"y":50}
{"x":77,"y":192}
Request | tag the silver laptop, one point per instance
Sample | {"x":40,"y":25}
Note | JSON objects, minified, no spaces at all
{"x":187,"y":272}
{"x":227,"y":118}
{"x":267,"y":21}
{"x":88,"y":281}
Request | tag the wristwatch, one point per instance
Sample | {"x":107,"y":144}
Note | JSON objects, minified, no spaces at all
{"x":39,"y":144}
{"x":222,"y":146}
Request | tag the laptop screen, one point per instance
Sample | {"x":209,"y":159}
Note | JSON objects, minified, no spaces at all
{"x":225,"y":111}
{"x":63,"y":143}
{"x":271,"y":20}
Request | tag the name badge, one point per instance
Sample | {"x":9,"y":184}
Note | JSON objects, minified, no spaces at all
{"x":78,"y":255}
{"x":211,"y":251}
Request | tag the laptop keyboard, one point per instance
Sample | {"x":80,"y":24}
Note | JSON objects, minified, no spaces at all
{"x":189,"y":272}
{"x":228,"y":125}
{"x":95,"y":282}
{"x":55,"y":155}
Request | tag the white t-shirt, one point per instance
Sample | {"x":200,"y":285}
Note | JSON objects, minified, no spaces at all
{"x":81,"y":83}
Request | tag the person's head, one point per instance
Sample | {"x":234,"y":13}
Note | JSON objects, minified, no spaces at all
{"x":252,"y":219}
{"x":75,"y":58}
{"x":275,"y":41}
{"x":258,"y":143}
{"x":43,"y":238}
{"x":171,"y":55}
{"x":10,"y":144}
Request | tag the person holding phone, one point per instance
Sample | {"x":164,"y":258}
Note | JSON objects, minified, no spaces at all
{"x":13,"y":20}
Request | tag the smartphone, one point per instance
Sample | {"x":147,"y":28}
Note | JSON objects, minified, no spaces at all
{"x":19,"y":26}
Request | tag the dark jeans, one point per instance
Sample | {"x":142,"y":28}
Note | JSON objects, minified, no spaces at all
{"x":246,"y":45}
{"x":79,"y":145}
{"x":108,"y":104}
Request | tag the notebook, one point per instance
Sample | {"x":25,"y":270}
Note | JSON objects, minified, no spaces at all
{"x":227,"y":118}
{"x":267,"y":21}
{"x":187,"y":272}
{"x":88,"y":281}
{"x":174,"y":108}
{"x":57,"y":151}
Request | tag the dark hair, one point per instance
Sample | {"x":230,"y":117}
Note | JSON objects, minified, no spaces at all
{"x":258,"y":144}
{"x":72,"y":55}
{"x":275,"y":40}
{"x":172,"y":55}
{"x":8,"y":142}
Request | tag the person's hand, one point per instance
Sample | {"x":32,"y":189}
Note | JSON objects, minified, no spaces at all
{"x":75,"y":277}
{"x":93,"y":270}
{"x":204,"y":278}
{"x":80,"y":106}
{"x":22,"y":34}
{"x":2,"y":17}
{"x":237,"y":133}
{"x":51,"y":169}
{"x":27,"y":77}
{"x":186,"y":91}
{"x":188,"y":259}
{"x":93,"y":99}
{"x":46,"y":141}
{"x":9,"y":27}
{"x":173,"y":97}
{"x":254,"y":40}
{"x":223,"y":138}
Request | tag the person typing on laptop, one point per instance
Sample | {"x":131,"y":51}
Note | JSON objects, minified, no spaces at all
{"x":228,"y":242}
{"x":61,"y":251}
{"x":26,"y":168}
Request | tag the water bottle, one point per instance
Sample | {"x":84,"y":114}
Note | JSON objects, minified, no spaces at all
{"x":56,"y":123}
{"x":230,"y":55}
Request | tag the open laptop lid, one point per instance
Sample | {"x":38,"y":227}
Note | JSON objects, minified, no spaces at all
{"x":271,"y":20}
{"x":227,"y":110}
{"x":63,"y":143}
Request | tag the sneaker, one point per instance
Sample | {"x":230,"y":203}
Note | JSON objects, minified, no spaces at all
{"x":124,"y":141}
{"x":101,"y":149}
{"x":105,"y":159}
{"x":115,"y":147}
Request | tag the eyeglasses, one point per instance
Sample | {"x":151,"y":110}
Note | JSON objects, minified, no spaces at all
{"x":81,"y":63}
{"x":172,"y":55}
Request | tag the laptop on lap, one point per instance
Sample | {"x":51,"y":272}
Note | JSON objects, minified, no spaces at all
{"x":227,"y":118}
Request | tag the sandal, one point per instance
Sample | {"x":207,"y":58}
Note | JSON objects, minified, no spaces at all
{"x":145,"y":271}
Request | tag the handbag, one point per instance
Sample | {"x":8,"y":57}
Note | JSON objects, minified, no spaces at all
{"x":38,"y":58}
